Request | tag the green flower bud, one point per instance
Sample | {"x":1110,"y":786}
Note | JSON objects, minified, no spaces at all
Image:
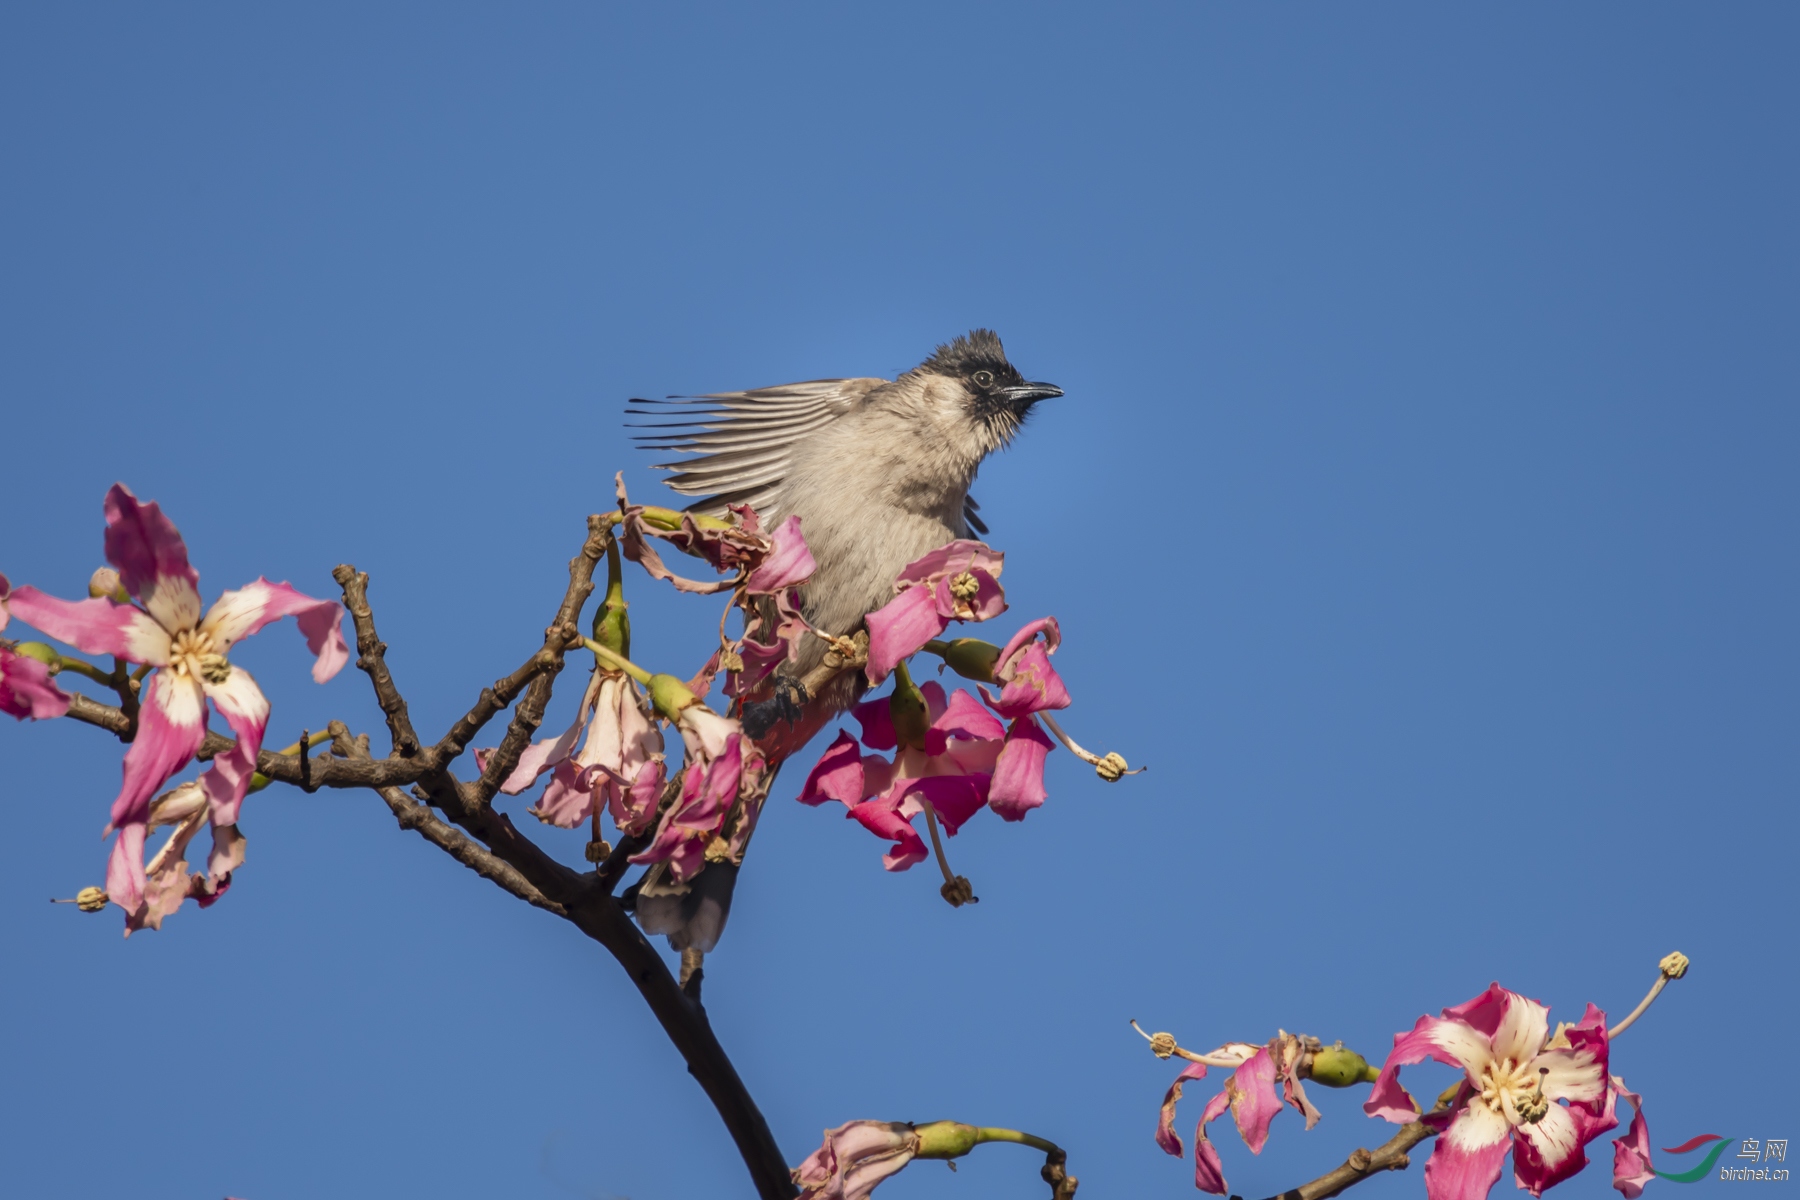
{"x":612,"y":623}
{"x":44,"y":654}
{"x":612,"y":629}
{"x":972,"y":658}
{"x":670,"y":695}
{"x":1337,"y":1067}
{"x":945,"y":1139}
{"x":907,"y":709}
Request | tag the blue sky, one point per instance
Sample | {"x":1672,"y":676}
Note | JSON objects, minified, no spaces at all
{"x":1422,"y":509}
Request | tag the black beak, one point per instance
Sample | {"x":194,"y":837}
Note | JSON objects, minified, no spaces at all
{"x":1031,"y":393}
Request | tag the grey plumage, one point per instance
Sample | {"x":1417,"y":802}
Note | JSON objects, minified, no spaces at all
{"x":877,"y":470}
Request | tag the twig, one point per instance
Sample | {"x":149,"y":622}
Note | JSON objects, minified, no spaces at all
{"x":419,"y":818}
{"x":836,"y":662}
{"x":105,"y":716}
{"x":371,"y":659}
{"x":562,"y":631}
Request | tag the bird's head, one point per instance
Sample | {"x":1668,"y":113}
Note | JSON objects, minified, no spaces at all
{"x":982,"y":398}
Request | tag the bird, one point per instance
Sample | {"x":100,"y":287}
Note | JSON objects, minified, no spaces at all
{"x":877,"y":470}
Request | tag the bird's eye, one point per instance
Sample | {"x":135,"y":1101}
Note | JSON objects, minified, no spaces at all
{"x":984,"y":378}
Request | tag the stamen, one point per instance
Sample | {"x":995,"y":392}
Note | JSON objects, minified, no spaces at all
{"x":1673,"y":966}
{"x":1163,"y":1045}
{"x":957,"y":890}
{"x":1112,"y":768}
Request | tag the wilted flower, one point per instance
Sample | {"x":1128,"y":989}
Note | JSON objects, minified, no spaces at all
{"x":1517,"y":1081}
{"x":957,"y":582}
{"x":619,"y":763}
{"x":1028,"y":685}
{"x":722,"y":765}
{"x":25,"y":687}
{"x":1249,"y":1094}
{"x":854,"y":1158}
{"x":165,"y":629}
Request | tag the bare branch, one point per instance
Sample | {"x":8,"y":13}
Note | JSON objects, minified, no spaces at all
{"x":371,"y":652}
{"x":418,"y":817}
{"x":93,"y":712}
{"x":562,"y":633}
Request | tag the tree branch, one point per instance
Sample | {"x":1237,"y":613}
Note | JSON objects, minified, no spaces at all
{"x":509,"y":859}
{"x":371,"y":660}
{"x":1362,"y":1164}
{"x":562,"y":633}
{"x":418,"y":817}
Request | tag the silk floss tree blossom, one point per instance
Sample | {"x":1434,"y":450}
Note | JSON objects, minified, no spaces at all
{"x":945,"y":750}
{"x":1544,"y":1098}
{"x":164,"y":628}
{"x":25,"y":687}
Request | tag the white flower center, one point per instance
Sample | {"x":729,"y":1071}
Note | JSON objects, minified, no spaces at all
{"x":193,"y":653}
{"x":1514,"y":1090}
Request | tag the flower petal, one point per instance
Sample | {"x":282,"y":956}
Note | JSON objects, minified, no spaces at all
{"x":1547,"y":1152}
{"x":838,"y":775}
{"x":1451,"y":1042}
{"x":1466,"y":1162}
{"x":789,"y":563}
{"x":899,"y":628}
{"x":94,"y":626}
{"x":1524,"y":1028}
{"x":26,"y":690}
{"x":246,"y":710}
{"x":1166,"y":1137}
{"x":964,"y":717}
{"x":1579,"y":1073}
{"x":125,"y":871}
{"x":1253,"y":1099}
{"x":236,"y":615}
{"x":1018,"y":785}
{"x":1209,"y":1172}
{"x":954,"y":798}
{"x":171,"y":726}
{"x":1484,"y":1012}
{"x":877,"y":722}
{"x":152,"y":560}
{"x":1631,"y":1153}
{"x":952,"y":558}
{"x":881,"y":817}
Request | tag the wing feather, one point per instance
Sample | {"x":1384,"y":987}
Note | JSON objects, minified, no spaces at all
{"x":742,"y":442}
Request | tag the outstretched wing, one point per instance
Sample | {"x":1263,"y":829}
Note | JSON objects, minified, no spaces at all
{"x":742,"y":442}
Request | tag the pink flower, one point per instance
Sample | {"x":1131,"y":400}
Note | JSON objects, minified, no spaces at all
{"x":1631,"y":1153}
{"x":25,"y":687}
{"x":619,"y":764}
{"x":168,"y":883}
{"x":854,"y":1158}
{"x":722,"y":765}
{"x":165,"y":629}
{"x":958,"y":582}
{"x":1249,"y":1094}
{"x":1517,"y":1079}
{"x":951,"y":772}
{"x":1028,"y":685}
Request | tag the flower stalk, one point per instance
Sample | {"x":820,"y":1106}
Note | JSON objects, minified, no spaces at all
{"x":1673,"y":966}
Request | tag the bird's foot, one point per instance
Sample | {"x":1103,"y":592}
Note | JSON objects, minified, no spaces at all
{"x":759,"y":716}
